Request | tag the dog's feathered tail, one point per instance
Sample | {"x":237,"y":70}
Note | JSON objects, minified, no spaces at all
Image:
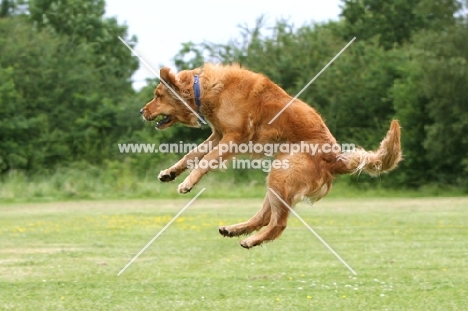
{"x":374,"y":163}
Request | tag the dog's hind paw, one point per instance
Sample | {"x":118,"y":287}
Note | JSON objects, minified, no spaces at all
{"x":183,"y":189}
{"x":245,"y":244}
{"x":225,"y":232}
{"x":166,"y":176}
{"x":250,"y":242}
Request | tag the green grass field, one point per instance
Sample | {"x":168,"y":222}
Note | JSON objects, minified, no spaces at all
{"x":409,"y":253}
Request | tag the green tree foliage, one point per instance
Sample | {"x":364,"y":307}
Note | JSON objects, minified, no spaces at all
{"x":189,"y":57}
{"x":421,"y":80}
{"x":12,"y":128}
{"x":83,"y":22}
{"x":69,"y":88}
{"x":66,"y":96}
{"x":5,"y":7}
{"x":10,"y":8}
{"x":411,"y":107}
{"x":394,"y":22}
{"x":432,"y":103}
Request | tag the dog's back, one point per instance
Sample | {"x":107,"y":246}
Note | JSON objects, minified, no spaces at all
{"x":236,"y":98}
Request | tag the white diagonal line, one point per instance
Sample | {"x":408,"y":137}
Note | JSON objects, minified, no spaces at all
{"x":311,"y":81}
{"x":160,"y":232}
{"x":313,"y":231}
{"x":164,"y":82}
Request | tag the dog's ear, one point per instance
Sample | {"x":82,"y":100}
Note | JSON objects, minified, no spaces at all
{"x":168,"y":77}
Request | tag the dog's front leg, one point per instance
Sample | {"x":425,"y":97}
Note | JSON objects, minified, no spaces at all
{"x":199,"y":152}
{"x":215,"y":159}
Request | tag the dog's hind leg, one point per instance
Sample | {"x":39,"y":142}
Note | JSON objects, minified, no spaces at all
{"x":277,"y":222}
{"x":260,"y":219}
{"x":289,"y":186}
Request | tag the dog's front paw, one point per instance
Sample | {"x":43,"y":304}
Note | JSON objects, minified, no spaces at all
{"x":184,"y":188}
{"x":167,"y":175}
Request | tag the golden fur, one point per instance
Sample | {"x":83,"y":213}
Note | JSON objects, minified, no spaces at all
{"x":238,"y":105}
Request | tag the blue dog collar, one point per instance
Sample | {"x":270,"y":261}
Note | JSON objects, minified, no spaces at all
{"x":196,"y":89}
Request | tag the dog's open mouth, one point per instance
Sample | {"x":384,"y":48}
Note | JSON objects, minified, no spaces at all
{"x":162,"y":119}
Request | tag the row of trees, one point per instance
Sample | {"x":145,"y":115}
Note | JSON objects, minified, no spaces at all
{"x":63,"y":79}
{"x":409,"y":62}
{"x":66,"y":95}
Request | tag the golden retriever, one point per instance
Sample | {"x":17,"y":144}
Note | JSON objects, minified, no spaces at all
{"x":238,"y":105}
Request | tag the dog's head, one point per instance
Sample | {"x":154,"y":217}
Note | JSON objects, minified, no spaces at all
{"x":170,"y":101}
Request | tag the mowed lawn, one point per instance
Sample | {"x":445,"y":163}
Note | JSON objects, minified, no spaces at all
{"x":409,"y":254}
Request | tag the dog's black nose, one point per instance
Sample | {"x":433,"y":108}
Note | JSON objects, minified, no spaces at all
{"x":141,"y":110}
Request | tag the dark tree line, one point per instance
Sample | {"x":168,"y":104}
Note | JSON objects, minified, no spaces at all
{"x":66,"y":95}
{"x":409,"y":62}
